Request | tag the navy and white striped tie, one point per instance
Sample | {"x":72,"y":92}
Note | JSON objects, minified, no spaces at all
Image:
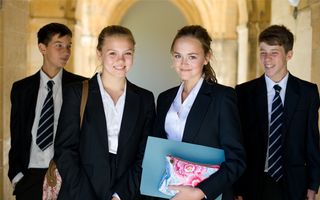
{"x":275,"y":158}
{"x":45,"y":127}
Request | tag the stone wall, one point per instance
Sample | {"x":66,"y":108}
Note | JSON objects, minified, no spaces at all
{"x":14,"y":37}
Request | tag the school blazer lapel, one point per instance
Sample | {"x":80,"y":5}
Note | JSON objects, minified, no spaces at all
{"x":31,"y":91}
{"x":197,"y":113}
{"x":129,"y":117}
{"x":94,"y":113}
{"x":291,"y":101}
{"x":260,"y":104}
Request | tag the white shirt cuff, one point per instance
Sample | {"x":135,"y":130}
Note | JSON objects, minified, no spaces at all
{"x":116,"y":195}
{"x":16,"y":179}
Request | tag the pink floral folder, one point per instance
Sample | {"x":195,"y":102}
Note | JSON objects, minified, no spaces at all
{"x":154,"y":161}
{"x":182,"y":172}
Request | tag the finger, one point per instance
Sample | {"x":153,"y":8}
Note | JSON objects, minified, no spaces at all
{"x":174,"y":187}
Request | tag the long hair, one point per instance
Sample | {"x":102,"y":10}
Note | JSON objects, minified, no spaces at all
{"x":201,"y":34}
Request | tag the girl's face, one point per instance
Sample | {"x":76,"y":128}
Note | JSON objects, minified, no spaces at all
{"x":189,"y":58}
{"x":116,"y":55}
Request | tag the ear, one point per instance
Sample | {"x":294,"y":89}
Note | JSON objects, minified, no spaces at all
{"x":99,"y":54}
{"x":289,"y":55}
{"x":208,"y":57}
{"x":42,"y":48}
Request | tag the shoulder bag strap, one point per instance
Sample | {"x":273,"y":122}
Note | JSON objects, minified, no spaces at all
{"x":84,"y":97}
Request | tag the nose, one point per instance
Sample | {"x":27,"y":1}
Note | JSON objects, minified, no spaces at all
{"x":120,"y":60}
{"x":67,"y":50}
{"x":184,"y":61}
{"x":268,"y":57}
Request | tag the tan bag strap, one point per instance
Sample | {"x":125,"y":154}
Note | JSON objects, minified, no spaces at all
{"x":84,"y":97}
{"x":51,"y":174}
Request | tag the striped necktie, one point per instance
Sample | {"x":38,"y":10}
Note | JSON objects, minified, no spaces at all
{"x":45,"y":126}
{"x":275,"y":159}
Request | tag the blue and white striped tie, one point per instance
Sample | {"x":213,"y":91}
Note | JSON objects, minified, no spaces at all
{"x":275,"y":158}
{"x":45,"y":127}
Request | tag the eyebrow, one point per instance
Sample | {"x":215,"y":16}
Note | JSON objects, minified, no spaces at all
{"x":262,"y":49}
{"x":187,"y":54}
{"x":117,"y":50}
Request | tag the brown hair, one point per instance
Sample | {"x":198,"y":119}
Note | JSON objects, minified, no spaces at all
{"x":201,"y":34}
{"x":277,"y":35}
{"x":114,"y":30}
{"x":46,"y":33}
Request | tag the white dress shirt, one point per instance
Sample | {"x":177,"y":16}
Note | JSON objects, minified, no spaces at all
{"x":113,"y":113}
{"x":177,"y":115}
{"x":270,"y":93}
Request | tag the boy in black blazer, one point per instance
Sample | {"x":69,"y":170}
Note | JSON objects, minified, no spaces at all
{"x":286,"y":166}
{"x":30,"y":152}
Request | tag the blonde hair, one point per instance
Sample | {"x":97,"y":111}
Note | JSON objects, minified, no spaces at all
{"x":114,"y":30}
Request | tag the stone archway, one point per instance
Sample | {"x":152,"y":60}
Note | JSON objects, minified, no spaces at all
{"x":220,"y":18}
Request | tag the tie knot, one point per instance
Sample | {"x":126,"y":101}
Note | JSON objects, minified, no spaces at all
{"x":277,"y":88}
{"x":50,"y":84}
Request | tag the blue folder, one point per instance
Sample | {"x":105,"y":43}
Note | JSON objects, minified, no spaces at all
{"x":154,"y":161}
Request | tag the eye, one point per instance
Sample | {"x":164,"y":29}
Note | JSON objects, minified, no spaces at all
{"x":176,"y":56}
{"x":58,"y":45}
{"x":112,"y":53}
{"x":263,"y":54}
{"x":128,"y":53}
{"x":192,"y":57}
{"x":274,"y":53}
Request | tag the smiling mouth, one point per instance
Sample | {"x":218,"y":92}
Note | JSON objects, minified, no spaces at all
{"x":185,"y":70}
{"x":119,"y":68}
{"x":268,"y":66}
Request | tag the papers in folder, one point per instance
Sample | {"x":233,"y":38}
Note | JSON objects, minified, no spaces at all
{"x":154,"y":161}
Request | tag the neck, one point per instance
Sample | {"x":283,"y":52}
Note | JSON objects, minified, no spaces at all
{"x":112,"y":83}
{"x":51,"y":72}
{"x":187,"y":87}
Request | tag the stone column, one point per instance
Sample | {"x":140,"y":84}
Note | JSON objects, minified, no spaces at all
{"x":242,"y":53}
{"x":14,"y":18}
{"x":315,"y":62}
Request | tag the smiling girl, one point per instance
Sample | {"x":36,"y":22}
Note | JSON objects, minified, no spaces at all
{"x":201,"y":111}
{"x":103,"y":159}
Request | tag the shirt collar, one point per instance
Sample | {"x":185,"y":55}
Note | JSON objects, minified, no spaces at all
{"x":190,"y":98}
{"x":270,"y":83}
{"x":44,"y":78}
{"x":105,"y":94}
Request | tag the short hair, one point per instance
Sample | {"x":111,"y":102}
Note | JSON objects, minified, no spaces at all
{"x":46,"y":33}
{"x":114,"y":30}
{"x":277,"y":35}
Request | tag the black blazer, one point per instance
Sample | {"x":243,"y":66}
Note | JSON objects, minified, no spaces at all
{"x":24,"y":95}
{"x":212,"y":121}
{"x":82,"y":156}
{"x":300,"y":140}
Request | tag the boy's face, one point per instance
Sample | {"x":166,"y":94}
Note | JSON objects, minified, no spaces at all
{"x":273,"y":59}
{"x":57,"y":53}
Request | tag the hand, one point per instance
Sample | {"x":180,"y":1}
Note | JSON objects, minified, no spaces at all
{"x":311,"y":195}
{"x":238,"y":198}
{"x":187,"y":193}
